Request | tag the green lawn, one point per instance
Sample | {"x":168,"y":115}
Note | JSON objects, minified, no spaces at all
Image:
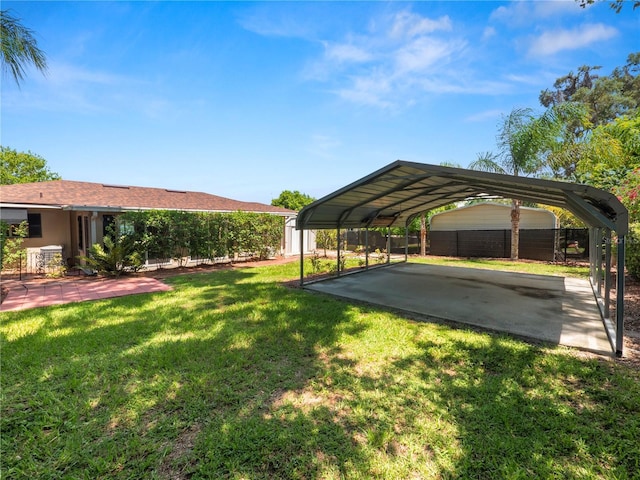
{"x":232,"y":375}
{"x":536,"y":268}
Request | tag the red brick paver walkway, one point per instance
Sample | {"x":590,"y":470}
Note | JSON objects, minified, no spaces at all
{"x":31,"y":294}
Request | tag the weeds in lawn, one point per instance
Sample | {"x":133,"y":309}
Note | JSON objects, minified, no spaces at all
{"x":232,"y":375}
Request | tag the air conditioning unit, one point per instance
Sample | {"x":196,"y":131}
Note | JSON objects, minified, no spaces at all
{"x":44,"y":259}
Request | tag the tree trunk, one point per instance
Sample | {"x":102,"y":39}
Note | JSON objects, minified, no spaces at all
{"x":515,"y":228}
{"x":423,"y":235}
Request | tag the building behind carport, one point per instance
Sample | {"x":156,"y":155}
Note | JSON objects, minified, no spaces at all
{"x":394,"y":195}
{"x":484,"y":230}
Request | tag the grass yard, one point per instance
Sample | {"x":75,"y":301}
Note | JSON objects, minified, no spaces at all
{"x":532,"y":267}
{"x":232,"y":375}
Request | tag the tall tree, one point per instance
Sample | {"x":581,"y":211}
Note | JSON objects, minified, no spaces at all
{"x":611,"y":160}
{"x":614,"y":4}
{"x":606,"y":96}
{"x":523,"y":139}
{"x":20,"y":167}
{"x":19,"y":47}
{"x":293,"y":200}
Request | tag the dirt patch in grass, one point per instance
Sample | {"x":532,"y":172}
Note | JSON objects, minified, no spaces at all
{"x":182,"y":447}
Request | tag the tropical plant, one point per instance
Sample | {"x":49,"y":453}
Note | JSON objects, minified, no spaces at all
{"x":116,"y":257}
{"x":19,"y":47}
{"x":524,"y":142}
{"x":611,"y":159}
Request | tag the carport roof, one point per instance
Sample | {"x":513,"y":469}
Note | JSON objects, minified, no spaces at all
{"x":395,"y":194}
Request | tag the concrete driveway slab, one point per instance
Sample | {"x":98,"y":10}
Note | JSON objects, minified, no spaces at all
{"x":554,"y":309}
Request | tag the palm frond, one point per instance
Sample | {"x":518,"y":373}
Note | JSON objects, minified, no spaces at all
{"x":19,"y":47}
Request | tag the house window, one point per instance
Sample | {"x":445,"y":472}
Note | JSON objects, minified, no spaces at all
{"x":112,"y":224}
{"x":80,"y":234}
{"x":108,"y":224}
{"x":33,"y":222}
{"x":35,"y":225}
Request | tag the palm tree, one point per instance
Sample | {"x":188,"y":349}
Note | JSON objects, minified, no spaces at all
{"x":522,"y":140}
{"x":19,"y":47}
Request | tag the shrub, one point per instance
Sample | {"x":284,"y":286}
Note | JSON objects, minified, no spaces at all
{"x":326,"y":239}
{"x":632,"y":257}
{"x":56,"y":267}
{"x":115,"y":258}
{"x":12,"y":255}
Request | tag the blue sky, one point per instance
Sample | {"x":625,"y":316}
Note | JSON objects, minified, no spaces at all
{"x":244,"y":99}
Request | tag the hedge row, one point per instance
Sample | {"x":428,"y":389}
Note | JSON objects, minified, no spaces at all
{"x":166,"y":235}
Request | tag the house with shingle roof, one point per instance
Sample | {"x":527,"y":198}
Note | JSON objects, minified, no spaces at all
{"x":73,"y":214}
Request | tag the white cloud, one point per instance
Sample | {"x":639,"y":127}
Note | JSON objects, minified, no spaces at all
{"x":322,"y":145}
{"x":371,"y":89}
{"x":399,"y":59}
{"x":489,"y":32}
{"x":483,"y":116}
{"x":521,"y":13}
{"x":268,"y":25}
{"x":72,"y":88}
{"x":391,"y":62}
{"x":551,"y":42}
{"x":62,"y":74}
{"x":346,"y":53}
{"x":408,"y":25}
{"x":423,"y":53}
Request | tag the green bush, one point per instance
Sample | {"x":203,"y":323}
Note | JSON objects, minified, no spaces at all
{"x":12,"y":255}
{"x":115,"y":258}
{"x":166,"y":235}
{"x":632,"y":257}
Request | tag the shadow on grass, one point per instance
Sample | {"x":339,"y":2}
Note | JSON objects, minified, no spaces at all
{"x":523,"y":411}
{"x":176,"y":384}
{"x":233,"y":376}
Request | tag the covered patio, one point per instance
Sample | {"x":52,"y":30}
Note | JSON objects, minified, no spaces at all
{"x":395,"y":194}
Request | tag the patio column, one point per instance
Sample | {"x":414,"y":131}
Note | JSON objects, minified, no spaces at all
{"x":94,"y":229}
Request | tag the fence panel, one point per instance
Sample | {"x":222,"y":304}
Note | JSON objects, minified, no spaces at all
{"x":548,"y":245}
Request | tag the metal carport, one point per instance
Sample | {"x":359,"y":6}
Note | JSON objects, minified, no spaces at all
{"x":395,"y":194}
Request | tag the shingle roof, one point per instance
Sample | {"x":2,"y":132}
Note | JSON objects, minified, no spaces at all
{"x":80,"y":195}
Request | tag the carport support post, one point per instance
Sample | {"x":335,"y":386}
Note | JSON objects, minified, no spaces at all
{"x":607,"y":273}
{"x":301,"y":256}
{"x":366,"y":248}
{"x":599,"y":252}
{"x":388,"y":244}
{"x":338,"y":258}
{"x":620,"y":296}
{"x":593,"y":231}
{"x":406,"y":243}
